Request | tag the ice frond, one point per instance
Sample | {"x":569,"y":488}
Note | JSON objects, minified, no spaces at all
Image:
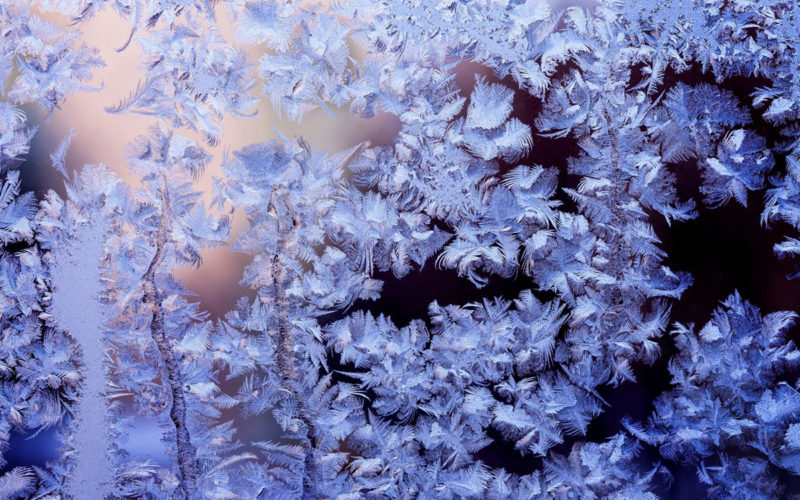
{"x":489,"y":105}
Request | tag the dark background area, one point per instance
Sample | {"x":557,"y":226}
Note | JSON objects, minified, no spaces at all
{"x":724,"y":249}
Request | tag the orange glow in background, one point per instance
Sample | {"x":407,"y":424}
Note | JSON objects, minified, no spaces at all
{"x":101,"y":138}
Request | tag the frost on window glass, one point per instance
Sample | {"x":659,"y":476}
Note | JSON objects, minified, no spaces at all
{"x":493,"y":304}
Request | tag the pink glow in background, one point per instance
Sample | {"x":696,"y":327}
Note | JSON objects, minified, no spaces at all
{"x":101,"y":138}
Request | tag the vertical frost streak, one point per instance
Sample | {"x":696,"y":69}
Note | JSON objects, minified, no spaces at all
{"x":186,"y":452}
{"x":76,"y":277}
{"x":285,"y":349}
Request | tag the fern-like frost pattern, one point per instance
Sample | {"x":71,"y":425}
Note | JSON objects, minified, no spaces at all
{"x":545,"y":155}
